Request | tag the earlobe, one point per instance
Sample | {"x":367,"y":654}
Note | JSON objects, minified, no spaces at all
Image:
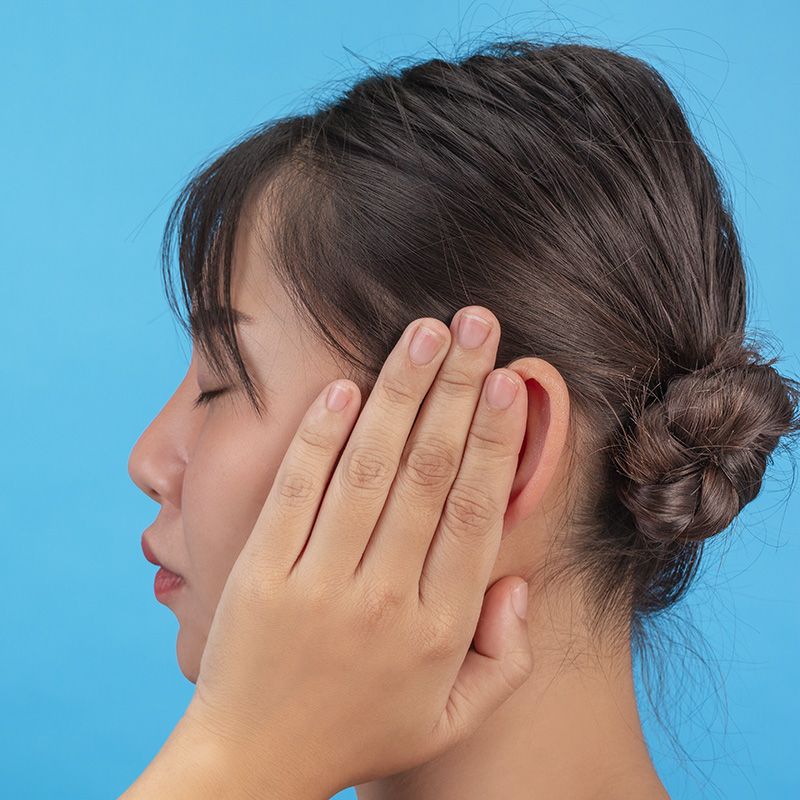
{"x":545,"y":437}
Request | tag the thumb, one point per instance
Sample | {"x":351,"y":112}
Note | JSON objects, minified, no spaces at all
{"x":500,"y":663}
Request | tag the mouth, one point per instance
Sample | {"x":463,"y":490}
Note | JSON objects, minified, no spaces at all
{"x":149,"y":554}
{"x":166,"y":582}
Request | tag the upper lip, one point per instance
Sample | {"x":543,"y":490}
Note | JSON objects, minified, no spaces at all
{"x":149,"y":554}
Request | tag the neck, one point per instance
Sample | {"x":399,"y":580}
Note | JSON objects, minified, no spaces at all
{"x":572,"y":731}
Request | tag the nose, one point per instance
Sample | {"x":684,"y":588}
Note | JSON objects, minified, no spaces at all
{"x":158,"y":460}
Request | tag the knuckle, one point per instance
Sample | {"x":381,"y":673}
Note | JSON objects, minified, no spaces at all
{"x":431,"y":465}
{"x":491,"y":440}
{"x":457,"y":382}
{"x":468,"y":509}
{"x":321,"y":594}
{"x":380,"y":602}
{"x":440,"y":637}
{"x":398,"y":391}
{"x":516,"y":669}
{"x":256,"y":587}
{"x":315,"y":440}
{"x":297,"y":490}
{"x":366,"y":469}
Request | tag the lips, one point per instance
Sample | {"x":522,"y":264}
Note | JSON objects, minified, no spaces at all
{"x":165,"y":581}
{"x":148,"y":553}
{"x":151,"y":557}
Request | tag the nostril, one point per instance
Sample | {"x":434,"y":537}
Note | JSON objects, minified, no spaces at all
{"x":143,"y":470}
{"x":153,"y":495}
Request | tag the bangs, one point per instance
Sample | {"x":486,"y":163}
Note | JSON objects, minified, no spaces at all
{"x":198,"y":245}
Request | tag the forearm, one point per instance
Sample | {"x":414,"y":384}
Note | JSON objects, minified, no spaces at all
{"x":192,"y":765}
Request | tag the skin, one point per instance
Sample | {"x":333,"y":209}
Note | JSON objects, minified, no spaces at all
{"x":571,"y":731}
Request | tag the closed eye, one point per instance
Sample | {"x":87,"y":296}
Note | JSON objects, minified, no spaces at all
{"x":206,"y":397}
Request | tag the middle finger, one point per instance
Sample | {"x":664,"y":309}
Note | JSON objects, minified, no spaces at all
{"x":435,"y":448}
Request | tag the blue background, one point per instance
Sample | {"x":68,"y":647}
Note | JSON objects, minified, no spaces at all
{"x":106,"y":108}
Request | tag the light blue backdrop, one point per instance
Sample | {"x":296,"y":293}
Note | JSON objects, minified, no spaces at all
{"x":106,"y":108}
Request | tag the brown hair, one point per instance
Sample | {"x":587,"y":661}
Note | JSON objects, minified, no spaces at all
{"x":561,"y":187}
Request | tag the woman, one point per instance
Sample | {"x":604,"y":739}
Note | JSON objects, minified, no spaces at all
{"x":556,"y":195}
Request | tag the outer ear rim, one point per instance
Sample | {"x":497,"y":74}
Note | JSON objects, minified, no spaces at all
{"x":545,"y":437}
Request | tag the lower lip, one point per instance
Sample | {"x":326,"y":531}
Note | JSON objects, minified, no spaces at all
{"x":166,"y":583}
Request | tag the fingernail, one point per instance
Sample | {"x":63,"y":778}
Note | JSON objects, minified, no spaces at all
{"x":501,"y":391}
{"x":338,"y":397}
{"x":472,"y":331}
{"x":424,"y":346}
{"x":519,"y":599}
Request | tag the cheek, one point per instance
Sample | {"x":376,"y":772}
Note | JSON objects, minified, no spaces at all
{"x":229,"y":475}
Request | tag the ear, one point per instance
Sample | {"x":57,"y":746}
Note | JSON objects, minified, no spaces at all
{"x":545,"y":436}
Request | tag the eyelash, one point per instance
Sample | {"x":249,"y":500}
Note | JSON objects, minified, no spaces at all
{"x":206,"y":397}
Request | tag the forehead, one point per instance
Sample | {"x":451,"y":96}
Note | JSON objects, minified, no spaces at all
{"x":258,"y":305}
{"x":254,"y":284}
{"x":268,"y":325}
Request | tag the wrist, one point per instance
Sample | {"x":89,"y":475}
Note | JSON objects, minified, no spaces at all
{"x":188,"y":765}
{"x":196,"y":764}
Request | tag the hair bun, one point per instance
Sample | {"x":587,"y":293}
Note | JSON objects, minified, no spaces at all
{"x":693,"y":458}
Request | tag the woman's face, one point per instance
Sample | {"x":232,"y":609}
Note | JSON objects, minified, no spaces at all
{"x":211,"y":468}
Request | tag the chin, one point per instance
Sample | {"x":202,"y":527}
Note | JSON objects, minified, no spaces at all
{"x":189,"y":650}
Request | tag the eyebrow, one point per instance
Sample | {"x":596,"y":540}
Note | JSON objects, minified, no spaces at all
{"x":240,"y":316}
